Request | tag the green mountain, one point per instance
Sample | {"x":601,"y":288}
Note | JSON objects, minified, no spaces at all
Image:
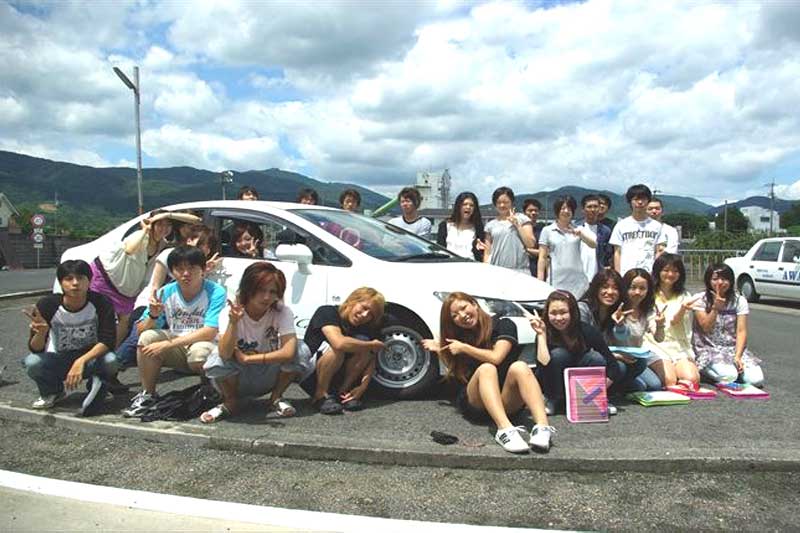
{"x":27,"y":179}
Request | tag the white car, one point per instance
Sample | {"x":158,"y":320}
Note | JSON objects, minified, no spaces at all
{"x":770,"y":268}
{"x":326,"y":253}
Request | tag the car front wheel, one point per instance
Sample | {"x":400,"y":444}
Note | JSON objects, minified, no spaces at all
{"x":748,"y":289}
{"x":405,"y":369}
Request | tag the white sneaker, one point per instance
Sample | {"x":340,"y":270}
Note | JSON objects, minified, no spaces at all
{"x":48,"y":401}
{"x":612,"y":409}
{"x":540,"y":438}
{"x":510,"y":440}
{"x":138,"y":405}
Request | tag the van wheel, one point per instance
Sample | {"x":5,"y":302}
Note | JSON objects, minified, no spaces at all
{"x":748,"y":289}
{"x":405,"y":369}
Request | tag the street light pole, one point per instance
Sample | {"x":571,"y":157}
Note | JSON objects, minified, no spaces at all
{"x":134,"y":86}
{"x":226,"y":176}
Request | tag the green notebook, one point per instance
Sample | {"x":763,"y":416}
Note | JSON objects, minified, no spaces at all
{"x":661,"y":397}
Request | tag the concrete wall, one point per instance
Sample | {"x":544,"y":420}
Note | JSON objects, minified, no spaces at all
{"x":17,"y":251}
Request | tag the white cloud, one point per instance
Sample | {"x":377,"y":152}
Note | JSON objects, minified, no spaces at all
{"x":788,"y":192}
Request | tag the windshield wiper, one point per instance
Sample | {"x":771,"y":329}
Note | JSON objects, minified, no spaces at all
{"x":426,"y":255}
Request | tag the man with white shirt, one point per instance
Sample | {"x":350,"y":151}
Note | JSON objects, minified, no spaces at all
{"x":656,"y":209}
{"x":410,"y":199}
{"x":637,"y":239}
{"x":591,"y":257}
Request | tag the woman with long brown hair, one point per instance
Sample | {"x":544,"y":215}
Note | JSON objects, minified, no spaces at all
{"x":480,"y":353}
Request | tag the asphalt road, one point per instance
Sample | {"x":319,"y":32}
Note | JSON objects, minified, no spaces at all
{"x":13,"y":281}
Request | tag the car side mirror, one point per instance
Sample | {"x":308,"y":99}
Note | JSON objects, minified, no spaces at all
{"x":297,"y":253}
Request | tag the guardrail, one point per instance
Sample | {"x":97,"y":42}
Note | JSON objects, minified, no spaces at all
{"x":697,"y":260}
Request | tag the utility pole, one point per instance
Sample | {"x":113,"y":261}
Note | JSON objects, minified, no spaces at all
{"x":134,"y":86}
{"x":771,"y":186}
{"x":725,"y":218}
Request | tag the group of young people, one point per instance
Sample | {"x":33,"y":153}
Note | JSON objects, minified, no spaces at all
{"x":119,"y":311}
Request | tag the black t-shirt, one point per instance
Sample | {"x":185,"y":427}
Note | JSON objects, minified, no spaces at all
{"x":502,"y":329}
{"x":593,"y":339}
{"x":328,"y":315}
{"x":78,"y":330}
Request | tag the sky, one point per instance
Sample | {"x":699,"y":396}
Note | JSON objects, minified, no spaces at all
{"x":692,"y":98}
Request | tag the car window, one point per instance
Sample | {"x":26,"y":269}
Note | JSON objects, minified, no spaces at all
{"x":768,"y":252}
{"x":266,"y":233}
{"x":376,"y":238}
{"x":791,"y":252}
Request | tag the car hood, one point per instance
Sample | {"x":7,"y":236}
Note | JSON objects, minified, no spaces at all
{"x":477,"y":279}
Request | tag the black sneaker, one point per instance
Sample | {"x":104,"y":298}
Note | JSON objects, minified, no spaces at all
{"x":115,"y":386}
{"x":94,"y":398}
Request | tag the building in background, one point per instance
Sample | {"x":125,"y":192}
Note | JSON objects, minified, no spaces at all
{"x":434,"y":186}
{"x":759,"y":218}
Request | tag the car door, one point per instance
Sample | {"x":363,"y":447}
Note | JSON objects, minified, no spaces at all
{"x":306,"y":288}
{"x":764,"y":268}
{"x":789,"y":269}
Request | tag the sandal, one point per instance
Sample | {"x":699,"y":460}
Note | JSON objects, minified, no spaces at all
{"x":353,"y":405}
{"x":282,"y":408}
{"x":215,"y":414}
{"x":329,"y":405}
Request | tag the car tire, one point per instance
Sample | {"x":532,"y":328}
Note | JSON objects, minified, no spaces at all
{"x":748,"y":289}
{"x":405,"y":369}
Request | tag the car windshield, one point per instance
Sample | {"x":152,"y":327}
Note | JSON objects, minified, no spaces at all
{"x":376,"y":238}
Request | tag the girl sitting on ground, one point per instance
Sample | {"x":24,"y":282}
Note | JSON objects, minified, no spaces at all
{"x":344,"y":341}
{"x":677,"y":355}
{"x":639,"y":317}
{"x":563,"y":341}
{"x":480,"y":352}
{"x":601,"y":307}
{"x":259,"y":352}
{"x":719,"y":335}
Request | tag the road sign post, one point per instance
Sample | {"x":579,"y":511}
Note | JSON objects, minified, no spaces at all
{"x":37,"y":221}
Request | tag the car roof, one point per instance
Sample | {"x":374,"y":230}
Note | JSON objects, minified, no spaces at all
{"x":247,"y":204}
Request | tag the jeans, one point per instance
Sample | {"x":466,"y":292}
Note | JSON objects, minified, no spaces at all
{"x":551,"y":376}
{"x":629,"y":373}
{"x":126,"y":352}
{"x":718,"y":372}
{"x":647,"y":381}
{"x":48,"y":369}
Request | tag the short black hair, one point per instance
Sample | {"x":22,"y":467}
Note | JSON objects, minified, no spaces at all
{"x":412,"y":194}
{"x":500,"y":191}
{"x":604,"y":198}
{"x":307,"y":192}
{"x":561,"y":200}
{"x":192,"y":255}
{"x":588,"y":198}
{"x":350,"y":192}
{"x":637,"y":191}
{"x":248,"y":188}
{"x":531,"y":201}
{"x":76,"y":267}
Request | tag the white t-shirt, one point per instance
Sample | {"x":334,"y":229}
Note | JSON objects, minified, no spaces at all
{"x":459,"y":241}
{"x":420,"y":226}
{"x":673,"y":241}
{"x":589,"y":254}
{"x":637,"y":241}
{"x":263,"y":335}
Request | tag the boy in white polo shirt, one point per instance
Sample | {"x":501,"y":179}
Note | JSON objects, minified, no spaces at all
{"x":637,"y":239}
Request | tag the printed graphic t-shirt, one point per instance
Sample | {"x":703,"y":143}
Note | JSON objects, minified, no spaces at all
{"x":181,"y":317}
{"x":637,"y":242}
{"x":264,"y":335}
{"x":78,"y":330}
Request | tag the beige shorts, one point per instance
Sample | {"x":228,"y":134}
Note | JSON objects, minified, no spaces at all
{"x":178,"y":357}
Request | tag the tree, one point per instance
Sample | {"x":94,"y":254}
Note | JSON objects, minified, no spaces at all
{"x":791,"y":217}
{"x":690,"y":223}
{"x":737,"y":222}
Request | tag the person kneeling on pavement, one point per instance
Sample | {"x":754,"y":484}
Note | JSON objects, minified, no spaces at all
{"x":259,"y":351}
{"x":71,"y":338}
{"x":179,"y":326}
{"x":344,"y":341}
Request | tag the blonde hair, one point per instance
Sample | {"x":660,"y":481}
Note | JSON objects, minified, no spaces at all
{"x":376,"y":300}
{"x":480,"y":336}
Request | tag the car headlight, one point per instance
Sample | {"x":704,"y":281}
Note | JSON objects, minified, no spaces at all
{"x":494,"y":306}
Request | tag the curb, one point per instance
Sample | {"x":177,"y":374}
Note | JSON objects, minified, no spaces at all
{"x":170,"y":433}
{"x":25,"y":294}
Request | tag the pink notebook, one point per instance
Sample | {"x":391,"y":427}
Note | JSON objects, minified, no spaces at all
{"x":743,"y":391}
{"x":586,"y":394}
{"x":701,"y":393}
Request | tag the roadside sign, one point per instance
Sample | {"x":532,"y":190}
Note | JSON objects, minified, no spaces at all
{"x":38,"y":238}
{"x":38,"y":220}
{"x":38,"y":245}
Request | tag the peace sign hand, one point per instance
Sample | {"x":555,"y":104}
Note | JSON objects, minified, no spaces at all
{"x":156,"y":305}
{"x":213,"y":262}
{"x":619,"y":315}
{"x":481,"y":245}
{"x":719,"y":300}
{"x":253,"y":249}
{"x":236,"y":311}
{"x":689,"y":304}
{"x":38,"y":325}
{"x":537,"y":324}
{"x":660,"y":316}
